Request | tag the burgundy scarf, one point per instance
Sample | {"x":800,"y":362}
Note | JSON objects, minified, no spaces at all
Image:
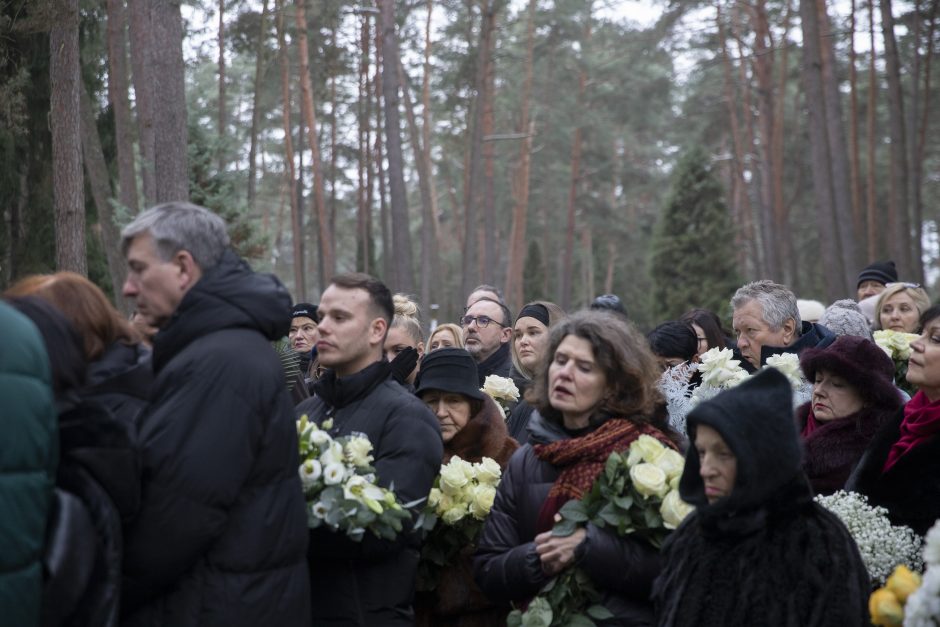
{"x":921,"y":422}
{"x":811,"y":425}
{"x":582,"y":459}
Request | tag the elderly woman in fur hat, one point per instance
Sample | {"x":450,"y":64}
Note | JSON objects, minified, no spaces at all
{"x":853,"y":395}
{"x":472,"y":427}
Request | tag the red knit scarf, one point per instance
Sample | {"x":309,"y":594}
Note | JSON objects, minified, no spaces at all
{"x":921,"y":422}
{"x":582,"y":459}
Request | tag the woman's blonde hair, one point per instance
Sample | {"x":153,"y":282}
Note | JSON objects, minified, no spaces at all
{"x":914,"y":290}
{"x":407,"y":317}
{"x":451,"y":328}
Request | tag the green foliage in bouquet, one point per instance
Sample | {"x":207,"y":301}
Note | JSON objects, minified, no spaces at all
{"x":635,"y":494}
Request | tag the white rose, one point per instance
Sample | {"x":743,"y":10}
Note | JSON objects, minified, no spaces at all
{"x":358,"y":451}
{"x":310,"y":472}
{"x":670,"y":462}
{"x":434,"y":498}
{"x":718,"y":368}
{"x":649,"y":480}
{"x":648,"y":447}
{"x":483,"y":497}
{"x":674,"y":510}
{"x":333,"y":473}
{"x":789,"y":365}
{"x":455,"y":513}
{"x":453,"y":479}
{"x":500,"y":388}
{"x":488,"y":471}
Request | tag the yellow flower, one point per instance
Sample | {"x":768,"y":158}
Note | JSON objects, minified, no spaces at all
{"x":903,"y":582}
{"x":885,"y":609}
{"x":649,"y":480}
{"x":674,"y":510}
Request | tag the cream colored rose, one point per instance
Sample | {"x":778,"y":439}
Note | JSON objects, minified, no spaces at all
{"x":674,"y":482}
{"x":455,"y":514}
{"x":488,"y":472}
{"x":670,"y":462}
{"x":358,"y":451}
{"x":310,"y":472}
{"x":453,"y":479}
{"x":674,"y":510}
{"x":434,"y":498}
{"x":648,"y":447}
{"x":649,"y":480}
{"x":483,"y":497}
{"x":500,"y":388}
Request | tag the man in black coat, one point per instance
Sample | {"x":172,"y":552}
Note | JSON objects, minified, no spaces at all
{"x":370,"y":582}
{"x":487,"y":333}
{"x":221,"y":533}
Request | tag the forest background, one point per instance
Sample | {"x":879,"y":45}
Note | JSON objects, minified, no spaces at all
{"x":556,"y":148}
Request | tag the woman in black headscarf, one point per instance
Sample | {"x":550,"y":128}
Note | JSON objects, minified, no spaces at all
{"x":758,"y":550}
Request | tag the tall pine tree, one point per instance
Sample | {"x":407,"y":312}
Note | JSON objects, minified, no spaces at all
{"x":693,"y":257}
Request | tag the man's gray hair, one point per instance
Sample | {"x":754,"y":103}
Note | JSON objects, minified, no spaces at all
{"x":778,"y":304}
{"x":176,"y":226}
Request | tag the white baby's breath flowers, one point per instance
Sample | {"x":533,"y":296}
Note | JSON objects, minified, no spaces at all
{"x":881,"y":544}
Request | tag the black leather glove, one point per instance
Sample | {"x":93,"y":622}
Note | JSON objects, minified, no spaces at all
{"x":404,"y":364}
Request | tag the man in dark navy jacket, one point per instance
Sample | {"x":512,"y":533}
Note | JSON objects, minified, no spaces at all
{"x":221,"y":534}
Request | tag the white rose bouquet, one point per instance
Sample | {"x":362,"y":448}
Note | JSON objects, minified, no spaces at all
{"x":898,"y":347}
{"x":789,"y":365}
{"x":720,"y":371}
{"x":636,"y":494}
{"x":459,"y":502}
{"x":882,"y":545}
{"x":923,"y":605}
{"x":340,"y":486}
{"x":503,"y":390}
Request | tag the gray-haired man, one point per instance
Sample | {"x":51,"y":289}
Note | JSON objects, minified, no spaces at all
{"x":221,"y":534}
{"x":767,"y":321}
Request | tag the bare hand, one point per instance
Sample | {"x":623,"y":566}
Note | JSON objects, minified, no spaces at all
{"x":557,"y":552}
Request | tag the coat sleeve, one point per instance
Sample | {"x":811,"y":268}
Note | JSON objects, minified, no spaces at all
{"x":506,"y":566}
{"x":407,"y":460}
{"x":198,"y":446}
{"x":621,"y":564}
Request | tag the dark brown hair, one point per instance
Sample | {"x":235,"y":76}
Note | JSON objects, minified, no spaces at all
{"x":624,"y":356}
{"x":378,"y":292}
{"x":84,"y":305}
{"x":711,"y":325}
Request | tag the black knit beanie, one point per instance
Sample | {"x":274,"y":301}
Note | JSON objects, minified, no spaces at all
{"x":882,"y":271}
{"x":305,"y":310}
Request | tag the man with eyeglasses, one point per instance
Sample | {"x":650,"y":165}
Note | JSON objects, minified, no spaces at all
{"x":487,"y":331}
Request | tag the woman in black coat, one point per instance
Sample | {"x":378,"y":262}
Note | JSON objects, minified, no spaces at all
{"x":900,"y":471}
{"x":757,"y":550}
{"x":853,"y":396}
{"x":597,"y":395}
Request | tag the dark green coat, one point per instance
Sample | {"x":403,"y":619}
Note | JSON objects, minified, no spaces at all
{"x":28,"y":457}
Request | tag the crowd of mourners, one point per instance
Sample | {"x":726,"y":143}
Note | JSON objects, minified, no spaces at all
{"x":149,"y":466}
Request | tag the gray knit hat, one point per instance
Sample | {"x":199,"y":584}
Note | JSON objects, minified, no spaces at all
{"x":844,"y":317}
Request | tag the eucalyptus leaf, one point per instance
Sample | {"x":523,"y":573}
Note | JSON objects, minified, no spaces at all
{"x":599,"y":612}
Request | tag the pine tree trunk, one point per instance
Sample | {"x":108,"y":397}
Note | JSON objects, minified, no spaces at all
{"x":855,"y":168}
{"x":401,"y":231}
{"x":833,"y":273}
{"x":839,"y":164}
{"x":256,"y":106}
{"x":100,"y":185}
{"x":898,"y":180}
{"x":782,"y":211}
{"x":364,"y":162}
{"x":120,"y":104}
{"x":67,"y":189}
{"x":490,"y":245}
{"x":871,"y":196}
{"x":141,"y":45}
{"x":426,"y":132}
{"x":222,"y":112}
{"x":326,"y":237}
{"x":169,"y":113}
{"x":915,"y":166}
{"x":296,"y":218}
{"x":520,"y":187}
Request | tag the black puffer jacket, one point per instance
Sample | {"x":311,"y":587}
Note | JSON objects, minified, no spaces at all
{"x":221,"y":533}
{"x":507,"y":568}
{"x":372,"y":582}
{"x":121,"y":380}
{"x":499,"y":363}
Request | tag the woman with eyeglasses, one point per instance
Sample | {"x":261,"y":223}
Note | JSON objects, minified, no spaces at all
{"x":900,"y":470}
{"x":900,"y":307}
{"x":529,"y":343}
{"x":595,"y":395}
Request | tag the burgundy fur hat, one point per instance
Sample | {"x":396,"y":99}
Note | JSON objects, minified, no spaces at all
{"x":861,"y":363}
